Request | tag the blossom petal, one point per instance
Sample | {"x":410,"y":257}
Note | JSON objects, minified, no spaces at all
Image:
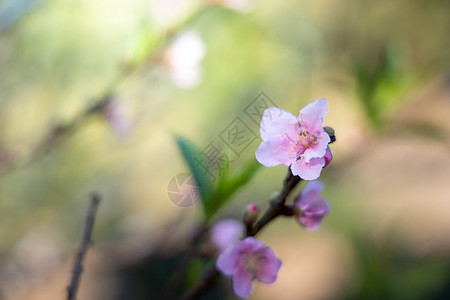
{"x":268,"y":268}
{"x":250,"y":244}
{"x":242,"y":283}
{"x":274,"y":151}
{"x":308,"y":170}
{"x":228,"y":261}
{"x":310,"y":193}
{"x":318,"y":207}
{"x":314,"y":214}
{"x":276,"y":121}
{"x":226,"y":233}
{"x":313,"y":114}
{"x":319,"y":149}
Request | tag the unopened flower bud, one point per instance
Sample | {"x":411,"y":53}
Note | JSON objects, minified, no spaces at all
{"x":251,"y":214}
{"x":328,"y":157}
{"x":330,"y":132}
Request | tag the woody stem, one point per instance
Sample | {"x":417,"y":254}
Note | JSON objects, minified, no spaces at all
{"x":277,"y":208}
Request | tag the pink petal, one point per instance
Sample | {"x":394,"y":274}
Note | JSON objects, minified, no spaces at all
{"x":313,"y":113}
{"x":310,"y":194}
{"x":318,"y":207}
{"x":328,"y":157}
{"x":313,"y":207}
{"x":226,"y":233}
{"x":268,"y":268}
{"x":250,"y":244}
{"x":311,"y":223}
{"x":228,"y":260}
{"x":242,"y":283}
{"x":308,"y":170}
{"x":276,"y":122}
{"x":314,"y":214}
{"x":270,"y":154}
{"x":318,"y":150}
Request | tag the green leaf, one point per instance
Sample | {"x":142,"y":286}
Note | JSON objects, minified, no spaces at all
{"x":229,"y":183}
{"x":214,"y":196}
{"x":191,"y":155}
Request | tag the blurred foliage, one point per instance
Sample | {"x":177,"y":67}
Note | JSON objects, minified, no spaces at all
{"x":387,"y":271}
{"x":380,"y":86}
{"x":215,"y":194}
{"x":368,"y":57}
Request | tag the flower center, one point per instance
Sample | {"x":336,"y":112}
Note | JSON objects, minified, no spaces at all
{"x":252,"y":262}
{"x":307,"y":138}
{"x":302,"y":141}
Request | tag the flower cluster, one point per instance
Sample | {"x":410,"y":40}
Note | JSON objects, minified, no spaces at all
{"x":248,"y":260}
{"x":299,"y":143}
{"x":302,"y":145}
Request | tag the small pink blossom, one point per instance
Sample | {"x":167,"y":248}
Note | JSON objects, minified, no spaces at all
{"x":300,"y":143}
{"x":226,"y":233}
{"x":312,"y":207}
{"x":248,"y":260}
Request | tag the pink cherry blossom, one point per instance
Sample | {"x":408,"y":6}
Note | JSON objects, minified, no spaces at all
{"x":312,"y":207}
{"x":248,"y":260}
{"x":226,"y":233}
{"x":300,"y":143}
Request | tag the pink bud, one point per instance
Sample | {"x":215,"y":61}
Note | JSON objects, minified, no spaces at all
{"x":328,"y":157}
{"x":251,"y":214}
{"x":253,"y":207}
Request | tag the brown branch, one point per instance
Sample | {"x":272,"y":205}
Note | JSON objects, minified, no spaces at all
{"x":277,"y":208}
{"x":86,"y":241}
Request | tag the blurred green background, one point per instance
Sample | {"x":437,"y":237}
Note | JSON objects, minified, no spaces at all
{"x":384,"y":67}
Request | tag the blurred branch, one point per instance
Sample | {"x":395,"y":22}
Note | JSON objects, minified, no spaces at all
{"x":277,"y":207}
{"x":53,"y":137}
{"x":55,"y":134}
{"x":86,"y":241}
{"x":207,"y":281}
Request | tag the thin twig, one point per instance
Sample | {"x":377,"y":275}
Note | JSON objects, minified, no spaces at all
{"x":277,"y":208}
{"x":86,"y":241}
